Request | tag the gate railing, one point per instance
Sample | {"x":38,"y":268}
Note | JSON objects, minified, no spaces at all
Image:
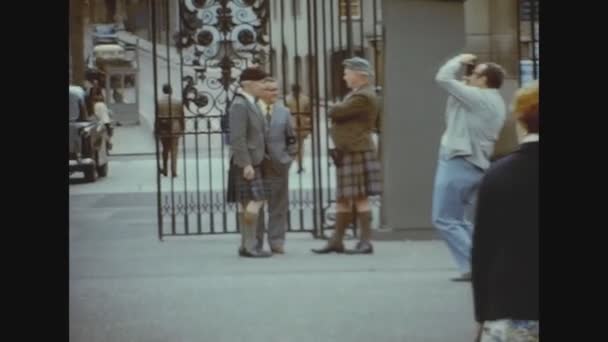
{"x":300,"y":43}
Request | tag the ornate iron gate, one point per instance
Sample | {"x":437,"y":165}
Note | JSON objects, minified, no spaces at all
{"x":300,"y":43}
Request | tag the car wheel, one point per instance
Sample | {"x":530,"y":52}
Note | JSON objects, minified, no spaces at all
{"x":103,"y":170}
{"x":90,"y":173}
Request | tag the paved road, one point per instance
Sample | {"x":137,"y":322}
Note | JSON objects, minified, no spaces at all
{"x":125,"y":285}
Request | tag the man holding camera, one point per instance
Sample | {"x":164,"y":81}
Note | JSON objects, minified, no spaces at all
{"x":355,"y":156}
{"x":475,"y":114}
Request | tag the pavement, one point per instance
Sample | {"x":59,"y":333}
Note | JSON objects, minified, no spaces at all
{"x":126,"y":285}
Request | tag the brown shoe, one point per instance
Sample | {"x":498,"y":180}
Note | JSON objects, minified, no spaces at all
{"x":335,"y":242}
{"x":277,"y":250}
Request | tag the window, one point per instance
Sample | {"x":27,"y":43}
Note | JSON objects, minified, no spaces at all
{"x":355,"y":10}
{"x":529,"y":40}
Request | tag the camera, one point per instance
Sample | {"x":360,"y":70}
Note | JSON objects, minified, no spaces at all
{"x":470,"y":67}
{"x":468,"y":71}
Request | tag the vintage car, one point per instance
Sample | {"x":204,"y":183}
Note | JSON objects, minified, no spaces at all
{"x":88,"y":139}
{"x":90,"y":153}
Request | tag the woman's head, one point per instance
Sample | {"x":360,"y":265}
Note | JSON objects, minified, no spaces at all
{"x":525,"y":107}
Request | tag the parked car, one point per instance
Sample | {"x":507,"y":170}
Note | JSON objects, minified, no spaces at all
{"x":88,"y":149}
{"x":105,"y":34}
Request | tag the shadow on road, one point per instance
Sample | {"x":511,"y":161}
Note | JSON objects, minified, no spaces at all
{"x":78,"y":181}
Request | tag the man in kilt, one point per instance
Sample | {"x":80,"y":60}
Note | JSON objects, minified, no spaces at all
{"x":247,"y":136}
{"x":355,"y":156}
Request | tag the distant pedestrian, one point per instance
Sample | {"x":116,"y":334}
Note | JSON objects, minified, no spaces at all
{"x":102,"y":113}
{"x":77,"y":108}
{"x":169,"y":128}
{"x":301,"y":114}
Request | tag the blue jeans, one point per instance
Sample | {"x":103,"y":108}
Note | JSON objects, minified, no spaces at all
{"x":454,"y":194}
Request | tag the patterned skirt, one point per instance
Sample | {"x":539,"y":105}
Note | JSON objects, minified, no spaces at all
{"x":358,"y":176}
{"x":507,"y":330}
{"x":242,"y":190}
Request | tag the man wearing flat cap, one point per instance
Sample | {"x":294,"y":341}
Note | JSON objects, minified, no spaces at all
{"x":247,"y":136}
{"x":355,"y":156}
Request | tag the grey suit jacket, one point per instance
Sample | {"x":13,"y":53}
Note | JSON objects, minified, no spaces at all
{"x":281,"y":137}
{"x":247,"y":132}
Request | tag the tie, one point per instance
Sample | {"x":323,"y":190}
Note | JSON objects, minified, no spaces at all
{"x":268,"y":116}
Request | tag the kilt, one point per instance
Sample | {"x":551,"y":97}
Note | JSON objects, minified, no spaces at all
{"x":358,"y":176}
{"x":241,"y":190}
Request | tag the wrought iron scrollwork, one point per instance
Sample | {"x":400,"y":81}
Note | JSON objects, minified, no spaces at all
{"x":218,"y":39}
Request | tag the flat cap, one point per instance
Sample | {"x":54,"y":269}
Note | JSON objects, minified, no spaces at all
{"x":253,"y":74}
{"x":358,"y":64}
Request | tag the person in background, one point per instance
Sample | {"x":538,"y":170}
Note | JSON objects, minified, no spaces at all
{"x":301,"y":114}
{"x":170,"y":127}
{"x":101,"y":111}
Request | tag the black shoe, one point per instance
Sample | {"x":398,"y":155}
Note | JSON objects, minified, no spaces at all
{"x":463,"y":277}
{"x":361,"y":248}
{"x":328,"y":249}
{"x":253,"y":254}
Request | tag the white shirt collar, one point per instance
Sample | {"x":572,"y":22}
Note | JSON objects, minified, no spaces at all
{"x":249,"y":97}
{"x":264,"y":105}
{"x":532,"y":137}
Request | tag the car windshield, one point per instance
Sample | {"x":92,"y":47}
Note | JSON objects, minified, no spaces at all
{"x":105,"y":29}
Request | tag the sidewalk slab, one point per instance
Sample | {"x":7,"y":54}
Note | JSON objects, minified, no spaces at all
{"x":125,"y":285}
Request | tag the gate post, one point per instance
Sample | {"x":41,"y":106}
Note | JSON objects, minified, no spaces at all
{"x":414,"y":105}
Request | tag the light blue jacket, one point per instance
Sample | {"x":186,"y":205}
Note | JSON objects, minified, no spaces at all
{"x":474,"y":117}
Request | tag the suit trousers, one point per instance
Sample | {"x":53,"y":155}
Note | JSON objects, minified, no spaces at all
{"x":276,"y":175}
{"x":454,"y":194}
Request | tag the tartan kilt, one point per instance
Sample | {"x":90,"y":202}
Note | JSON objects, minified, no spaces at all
{"x":241,"y":190}
{"x":358,"y":176}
